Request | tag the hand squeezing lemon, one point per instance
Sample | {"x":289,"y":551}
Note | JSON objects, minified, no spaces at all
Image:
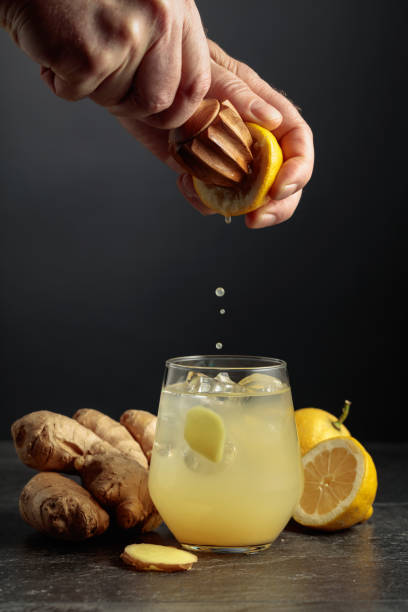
{"x":250,"y":193}
{"x":233,"y":164}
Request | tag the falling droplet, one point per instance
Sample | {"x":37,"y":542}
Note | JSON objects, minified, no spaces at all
{"x":218,"y":346}
{"x":222,"y":310}
{"x":227,"y":220}
{"x":220,"y":291}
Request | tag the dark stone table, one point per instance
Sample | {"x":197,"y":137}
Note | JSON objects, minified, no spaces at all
{"x":362,"y":569}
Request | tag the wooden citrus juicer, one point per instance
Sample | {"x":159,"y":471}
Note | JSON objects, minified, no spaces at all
{"x":214,"y":145}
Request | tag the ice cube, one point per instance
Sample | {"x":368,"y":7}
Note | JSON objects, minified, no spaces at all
{"x":196,"y":382}
{"x":227,"y":385}
{"x":262,"y":383}
{"x":223,"y":377}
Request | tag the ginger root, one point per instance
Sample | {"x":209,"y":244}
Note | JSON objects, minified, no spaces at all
{"x":111,"y":431}
{"x":153,"y":557}
{"x":142,"y":426}
{"x":61,"y":508}
{"x":118,"y":483}
{"x":48,"y":441}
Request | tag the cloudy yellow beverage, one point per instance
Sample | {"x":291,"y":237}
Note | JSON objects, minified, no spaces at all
{"x":246,"y":498}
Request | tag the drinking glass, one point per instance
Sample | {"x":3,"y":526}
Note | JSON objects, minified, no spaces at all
{"x":240,"y":500}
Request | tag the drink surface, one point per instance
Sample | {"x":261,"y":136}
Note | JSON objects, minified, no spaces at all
{"x":249,"y":496}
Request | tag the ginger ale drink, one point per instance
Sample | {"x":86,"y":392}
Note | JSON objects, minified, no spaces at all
{"x":225,"y":472}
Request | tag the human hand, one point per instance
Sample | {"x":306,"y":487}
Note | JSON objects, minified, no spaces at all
{"x":243,"y":86}
{"x":238,"y":83}
{"x":147,"y":59}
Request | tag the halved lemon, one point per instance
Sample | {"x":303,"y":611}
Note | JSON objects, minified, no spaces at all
{"x":250,"y":193}
{"x":340,"y":485}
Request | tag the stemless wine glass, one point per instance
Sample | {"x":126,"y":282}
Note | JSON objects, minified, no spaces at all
{"x":240,"y":500}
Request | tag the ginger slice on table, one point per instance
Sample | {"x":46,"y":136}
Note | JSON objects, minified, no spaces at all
{"x":154,"y":557}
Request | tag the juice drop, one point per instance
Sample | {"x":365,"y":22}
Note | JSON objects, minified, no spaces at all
{"x":227,"y":220}
{"x":220,"y":291}
{"x":222,"y":310}
{"x":218,"y":346}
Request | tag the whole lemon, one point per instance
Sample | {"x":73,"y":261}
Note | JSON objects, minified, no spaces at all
{"x":314,"y":425}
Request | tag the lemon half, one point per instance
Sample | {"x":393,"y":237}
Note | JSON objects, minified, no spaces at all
{"x":250,"y":193}
{"x":340,"y":485}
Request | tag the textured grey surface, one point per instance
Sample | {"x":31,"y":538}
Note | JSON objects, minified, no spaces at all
{"x":364,"y":568}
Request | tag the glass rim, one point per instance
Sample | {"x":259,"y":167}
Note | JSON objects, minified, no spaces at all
{"x":185,"y":362}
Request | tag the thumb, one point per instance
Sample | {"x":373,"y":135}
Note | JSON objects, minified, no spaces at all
{"x":225,"y":85}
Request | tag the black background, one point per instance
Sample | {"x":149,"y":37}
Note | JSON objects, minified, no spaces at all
{"x":106,"y":271}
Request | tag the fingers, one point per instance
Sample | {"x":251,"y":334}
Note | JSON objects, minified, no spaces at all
{"x":294,"y":135}
{"x":256,"y":101}
{"x":226,"y":85}
{"x":156,"y":78}
{"x":195,"y":75}
{"x":71,"y":89}
{"x":273,"y":212}
{"x":173,"y":76}
{"x":254,"y":82}
{"x":84,"y":52}
{"x":297,"y":168}
{"x":115,"y":87}
{"x":148,"y":60}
